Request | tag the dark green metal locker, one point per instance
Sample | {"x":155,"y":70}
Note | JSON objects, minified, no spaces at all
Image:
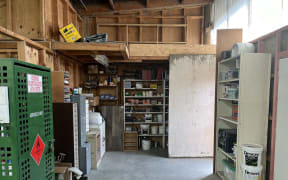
{"x":26,"y":124}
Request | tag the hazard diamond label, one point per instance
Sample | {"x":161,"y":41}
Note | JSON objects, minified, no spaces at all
{"x":37,"y":149}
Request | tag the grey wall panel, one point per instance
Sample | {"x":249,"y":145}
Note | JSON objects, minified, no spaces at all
{"x":114,"y":126}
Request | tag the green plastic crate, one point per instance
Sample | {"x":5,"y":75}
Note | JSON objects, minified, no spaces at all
{"x":30,"y":111}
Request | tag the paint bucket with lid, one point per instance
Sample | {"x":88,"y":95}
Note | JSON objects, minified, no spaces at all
{"x":159,"y":117}
{"x":161,"y":129}
{"x":154,"y":130}
{"x":252,"y":154}
{"x":251,"y":173}
{"x":146,"y":144}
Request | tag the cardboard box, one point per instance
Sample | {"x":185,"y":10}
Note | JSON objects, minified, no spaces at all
{"x":93,"y":69}
{"x":235,"y":112}
{"x":61,"y":171}
{"x":70,"y":33}
{"x":94,"y":101}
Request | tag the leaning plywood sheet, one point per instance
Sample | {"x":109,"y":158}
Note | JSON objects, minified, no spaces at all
{"x":280,"y":167}
{"x":191,"y":105}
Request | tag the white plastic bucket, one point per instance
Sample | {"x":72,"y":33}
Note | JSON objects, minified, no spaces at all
{"x":161,"y":129}
{"x":251,"y":173}
{"x":239,"y":48}
{"x":159,"y":117}
{"x":146,"y":145}
{"x":154,"y":130}
{"x":252,"y":154}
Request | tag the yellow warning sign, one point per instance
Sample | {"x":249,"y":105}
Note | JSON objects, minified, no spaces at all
{"x":70,"y":33}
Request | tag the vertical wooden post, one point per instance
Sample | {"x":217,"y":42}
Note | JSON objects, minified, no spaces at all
{"x":42,"y":56}
{"x":9,"y":15}
{"x":157,"y":36}
{"x":42,"y":22}
{"x":127,"y":34}
{"x":185,"y":28}
{"x":55,"y":23}
{"x":119,"y":30}
{"x":21,"y":48}
{"x":140,"y":27}
{"x":65,"y":13}
{"x":202,"y":26}
{"x":76,"y":75}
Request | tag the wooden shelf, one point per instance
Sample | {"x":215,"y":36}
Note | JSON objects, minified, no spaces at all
{"x":228,"y":99}
{"x":143,"y":97}
{"x":143,"y":122}
{"x":144,"y":112}
{"x":228,"y":119}
{"x":228,"y":155}
{"x":228,"y":60}
{"x":108,"y":99}
{"x":141,"y":89}
{"x":106,"y":86}
{"x":105,"y":74}
{"x":139,"y":80}
{"x":142,"y":105}
{"x":151,"y":135}
{"x":229,"y":81}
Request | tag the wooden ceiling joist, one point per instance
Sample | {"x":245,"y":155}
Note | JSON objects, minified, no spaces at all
{"x":112,"y":5}
{"x":149,"y":7}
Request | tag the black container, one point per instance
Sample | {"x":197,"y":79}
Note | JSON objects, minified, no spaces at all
{"x":225,"y":54}
{"x":226,"y":139}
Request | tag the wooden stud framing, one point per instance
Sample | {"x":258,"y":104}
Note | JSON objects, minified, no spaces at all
{"x":45,"y":24}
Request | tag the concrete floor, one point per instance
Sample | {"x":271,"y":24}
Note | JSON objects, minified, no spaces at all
{"x":151,"y":166}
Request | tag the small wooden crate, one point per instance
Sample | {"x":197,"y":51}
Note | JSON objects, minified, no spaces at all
{"x":130,"y":141}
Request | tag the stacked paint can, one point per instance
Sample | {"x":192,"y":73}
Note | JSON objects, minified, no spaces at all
{"x":252,"y":156}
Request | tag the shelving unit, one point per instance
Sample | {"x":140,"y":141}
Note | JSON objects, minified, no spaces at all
{"x":166,"y":102}
{"x":135,"y":112}
{"x":61,"y":86}
{"x":251,"y":100}
{"x":100,"y":89}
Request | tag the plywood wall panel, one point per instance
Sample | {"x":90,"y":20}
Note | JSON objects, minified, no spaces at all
{"x":111,"y":31}
{"x":3,"y":13}
{"x":133,"y":32}
{"x":226,"y":38}
{"x":194,"y":32}
{"x":48,"y":12}
{"x":28,"y":24}
{"x":191,"y":105}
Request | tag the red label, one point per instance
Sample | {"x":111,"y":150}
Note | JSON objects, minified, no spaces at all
{"x":37,"y":149}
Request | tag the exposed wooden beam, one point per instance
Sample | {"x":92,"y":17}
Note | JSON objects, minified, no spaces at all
{"x":141,"y":16}
{"x":92,"y":48}
{"x":84,"y":6}
{"x":196,"y":4}
{"x":147,"y":3}
{"x":112,"y":5}
{"x":141,"y":25}
{"x":83,"y":46}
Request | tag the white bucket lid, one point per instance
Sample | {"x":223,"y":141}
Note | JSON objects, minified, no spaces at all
{"x":257,"y":148}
